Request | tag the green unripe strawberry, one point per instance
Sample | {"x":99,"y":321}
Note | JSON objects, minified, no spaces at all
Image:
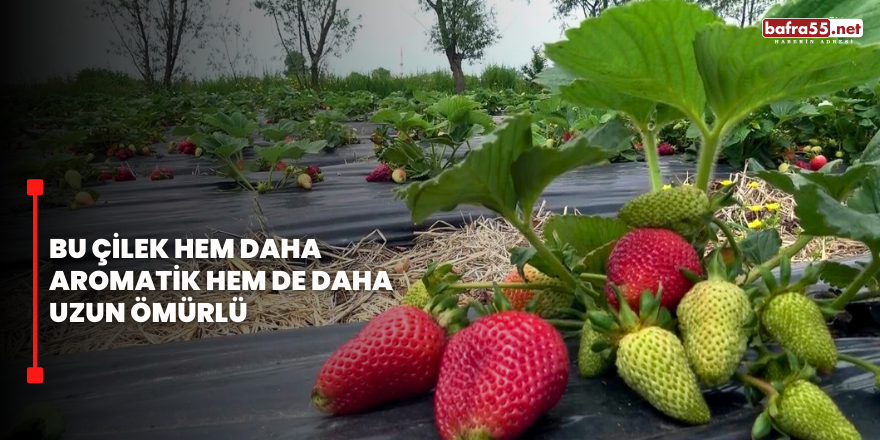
{"x":680,"y":209}
{"x":711,"y":319}
{"x":73,"y":178}
{"x":807,"y":413}
{"x":550,"y":301}
{"x":797,"y":323}
{"x":776,"y":371}
{"x":417,"y":295}
{"x":653,"y":363}
{"x":590,"y":363}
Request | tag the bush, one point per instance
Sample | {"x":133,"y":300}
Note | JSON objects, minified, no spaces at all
{"x":497,"y":77}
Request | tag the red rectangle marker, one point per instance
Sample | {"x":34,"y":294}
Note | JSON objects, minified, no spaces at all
{"x":34,"y":189}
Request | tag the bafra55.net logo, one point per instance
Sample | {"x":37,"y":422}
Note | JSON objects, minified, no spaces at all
{"x":812,"y":27}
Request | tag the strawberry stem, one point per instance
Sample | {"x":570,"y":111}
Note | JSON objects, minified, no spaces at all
{"x":709,"y":149}
{"x":593,"y":277}
{"x":731,"y":239}
{"x":786,"y":252}
{"x":765,"y":387}
{"x":556,"y":266}
{"x":861,"y":363}
{"x":649,"y":144}
{"x":866,"y":274}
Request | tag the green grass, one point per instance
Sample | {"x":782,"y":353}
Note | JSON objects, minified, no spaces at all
{"x":101,"y":81}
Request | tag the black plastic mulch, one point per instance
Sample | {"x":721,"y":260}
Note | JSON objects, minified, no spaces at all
{"x":342,"y":209}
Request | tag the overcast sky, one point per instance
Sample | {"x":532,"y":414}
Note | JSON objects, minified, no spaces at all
{"x":64,"y":40}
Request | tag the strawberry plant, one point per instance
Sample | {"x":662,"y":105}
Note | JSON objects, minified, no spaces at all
{"x":657,"y":62}
{"x":326,"y":126}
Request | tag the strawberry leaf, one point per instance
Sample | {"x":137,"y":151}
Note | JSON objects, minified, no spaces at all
{"x":760,"y":246}
{"x":821,"y":215}
{"x":872,"y":150}
{"x":838,"y":275}
{"x":643,"y":50}
{"x":742,"y":70}
{"x":839,"y":186}
{"x":483,"y":178}
{"x":492,"y":175}
{"x":536,"y":168}
{"x":864,"y":9}
{"x":866,"y":199}
{"x":587,"y":234}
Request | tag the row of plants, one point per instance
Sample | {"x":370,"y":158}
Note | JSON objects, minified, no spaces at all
{"x":665,"y":295}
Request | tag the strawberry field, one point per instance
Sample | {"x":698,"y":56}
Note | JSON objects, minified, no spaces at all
{"x":673,"y":232}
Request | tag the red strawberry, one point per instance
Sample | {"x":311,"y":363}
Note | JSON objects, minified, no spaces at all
{"x":122,"y":154}
{"x":382,"y":173}
{"x":313,"y":171}
{"x":665,"y":149}
{"x":645,"y":259}
{"x":566,"y":136}
{"x":123,"y":174}
{"x":817,"y":162}
{"x":164,"y":123}
{"x":280,"y":166}
{"x":395,"y":357}
{"x":161,"y":174}
{"x":498,"y":376}
{"x":801,"y":164}
{"x":518,"y":298}
{"x":287,"y":139}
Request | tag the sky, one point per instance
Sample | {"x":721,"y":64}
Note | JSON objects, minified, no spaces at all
{"x":57,"y":37}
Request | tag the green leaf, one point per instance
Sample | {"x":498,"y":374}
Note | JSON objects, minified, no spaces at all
{"x":866,"y":10}
{"x":781,"y":181}
{"x":594,"y":95}
{"x":642,"y":49}
{"x":866,"y":199}
{"x":483,"y":178}
{"x":742,"y":70}
{"x":839,"y":186}
{"x":760,"y":246}
{"x":536,"y":168}
{"x":278,"y":132}
{"x":820,"y":215}
{"x":837,"y":274}
{"x":762,"y":426}
{"x":872,"y":150}
{"x":237,"y":124}
{"x":588,"y":235}
{"x":184,"y":130}
{"x":222,"y":145}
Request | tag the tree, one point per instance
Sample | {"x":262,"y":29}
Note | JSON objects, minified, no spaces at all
{"x":232,"y":51}
{"x":313,"y":28}
{"x":563,"y":9}
{"x":464,"y":29}
{"x":536,"y":65}
{"x":295,"y":66}
{"x":745,"y":12}
{"x":153,"y":34}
